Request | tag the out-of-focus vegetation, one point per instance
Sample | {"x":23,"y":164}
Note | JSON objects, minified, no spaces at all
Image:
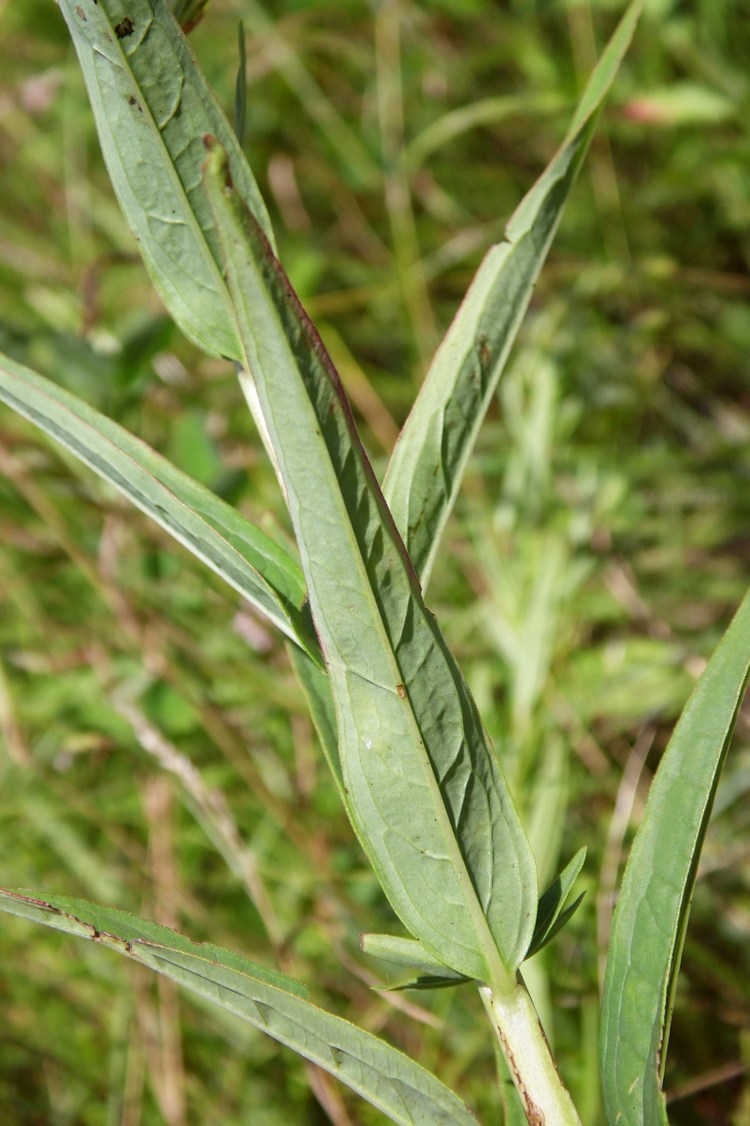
{"x":597,"y":553}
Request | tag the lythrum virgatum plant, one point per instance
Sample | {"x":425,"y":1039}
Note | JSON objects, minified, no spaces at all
{"x":401,"y":733}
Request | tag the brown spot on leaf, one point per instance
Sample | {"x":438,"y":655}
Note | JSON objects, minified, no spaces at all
{"x":124,"y":28}
{"x":401,"y":691}
{"x":80,"y":13}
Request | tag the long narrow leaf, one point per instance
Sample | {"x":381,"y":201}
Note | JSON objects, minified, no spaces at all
{"x":430,"y":457}
{"x":424,"y":790}
{"x":424,"y":971}
{"x":260,"y":569}
{"x":152,"y":105}
{"x":552,"y":913}
{"x":651,"y":916}
{"x":272,"y":1002}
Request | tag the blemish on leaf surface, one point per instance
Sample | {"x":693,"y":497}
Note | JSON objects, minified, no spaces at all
{"x":124,"y":28}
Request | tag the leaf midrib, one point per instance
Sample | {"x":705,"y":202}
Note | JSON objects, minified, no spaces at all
{"x":490,"y":954}
{"x":167,"y":162}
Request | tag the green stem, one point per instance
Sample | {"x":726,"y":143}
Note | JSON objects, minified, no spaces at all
{"x":545,"y":1098}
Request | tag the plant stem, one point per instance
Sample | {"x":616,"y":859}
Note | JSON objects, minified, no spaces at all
{"x":545,"y":1098}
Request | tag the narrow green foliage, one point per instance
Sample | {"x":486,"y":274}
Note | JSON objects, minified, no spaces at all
{"x":552,"y":914}
{"x":244,"y":556}
{"x":424,"y":791}
{"x":273,"y":1002}
{"x":432,"y":452}
{"x":397,"y":722}
{"x":152,"y":105}
{"x":651,"y":916}
{"x":426,"y":972}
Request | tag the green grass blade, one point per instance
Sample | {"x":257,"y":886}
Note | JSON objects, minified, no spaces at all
{"x":152,"y":106}
{"x":241,"y":554}
{"x":430,"y":457}
{"x":651,"y":915}
{"x":273,"y":1002}
{"x":424,"y":791}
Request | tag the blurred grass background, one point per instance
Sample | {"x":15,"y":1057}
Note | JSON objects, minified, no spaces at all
{"x":155,"y":752}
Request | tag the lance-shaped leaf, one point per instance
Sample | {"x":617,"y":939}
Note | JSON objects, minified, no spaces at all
{"x":426,"y":972}
{"x":152,"y":105}
{"x":273,"y":1002}
{"x":651,"y":916}
{"x":430,"y":457}
{"x":424,"y":791}
{"x":241,"y":554}
{"x":553,"y":914}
